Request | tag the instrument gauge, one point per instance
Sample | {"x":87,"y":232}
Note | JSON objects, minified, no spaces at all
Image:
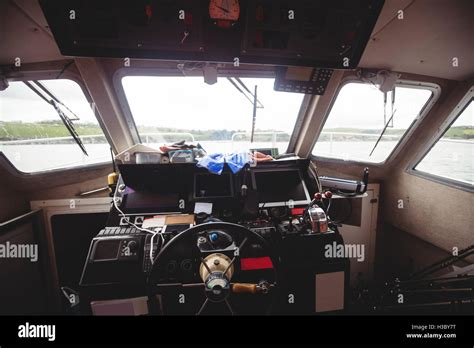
{"x":225,"y":13}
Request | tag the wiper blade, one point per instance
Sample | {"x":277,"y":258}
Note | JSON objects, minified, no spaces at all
{"x":54,"y":102}
{"x":53,"y":97}
{"x":247,"y":89}
{"x":383,"y":132}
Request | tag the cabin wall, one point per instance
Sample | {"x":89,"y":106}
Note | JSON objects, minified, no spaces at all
{"x":435,"y":217}
{"x":398,"y":254}
{"x":12,"y":203}
{"x":23,"y":277}
{"x":435,"y":212}
{"x":95,"y":179}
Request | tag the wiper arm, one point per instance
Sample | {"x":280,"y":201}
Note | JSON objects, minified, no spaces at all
{"x":53,"y":97}
{"x":248,"y":91}
{"x":246,"y":88}
{"x":54,"y":102}
{"x":254,"y":114}
{"x":383,"y":132}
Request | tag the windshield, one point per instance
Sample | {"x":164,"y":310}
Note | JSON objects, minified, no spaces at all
{"x":218,"y":116}
{"x":34,"y":138}
{"x":361,"y":127}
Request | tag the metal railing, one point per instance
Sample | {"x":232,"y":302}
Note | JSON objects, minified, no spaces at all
{"x":273,"y":134}
{"x":53,"y":140}
{"x":147,"y":136}
{"x":385,"y":136}
{"x":88,"y":139}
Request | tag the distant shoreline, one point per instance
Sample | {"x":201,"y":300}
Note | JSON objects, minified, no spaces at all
{"x":54,"y":129}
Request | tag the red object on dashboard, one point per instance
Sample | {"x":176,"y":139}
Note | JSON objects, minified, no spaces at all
{"x":148,"y":11}
{"x":297,"y":211}
{"x":254,"y":263}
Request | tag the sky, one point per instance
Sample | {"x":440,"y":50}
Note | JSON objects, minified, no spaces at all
{"x":19,"y":103}
{"x":362,"y":106}
{"x":188,"y":102}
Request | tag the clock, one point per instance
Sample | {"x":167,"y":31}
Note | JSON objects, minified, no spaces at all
{"x":224,"y":13}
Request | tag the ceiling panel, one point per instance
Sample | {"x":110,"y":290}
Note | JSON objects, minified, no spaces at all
{"x":425,"y":41}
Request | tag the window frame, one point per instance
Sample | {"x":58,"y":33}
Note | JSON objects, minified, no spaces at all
{"x":173,"y":72}
{"x":53,"y":75}
{"x":435,"y":93}
{"x":446,"y":125}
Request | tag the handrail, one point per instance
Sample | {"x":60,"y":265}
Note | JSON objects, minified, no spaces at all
{"x":274,"y":135}
{"x":18,"y":220}
{"x":168,"y":133}
{"x":248,"y":133}
{"x":191,"y":136}
{"x":360,"y":134}
{"x":465,"y":141}
{"x":46,"y":140}
{"x":41,"y":140}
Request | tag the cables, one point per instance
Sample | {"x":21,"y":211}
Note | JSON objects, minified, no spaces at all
{"x":154,"y":233}
{"x":314,"y":171}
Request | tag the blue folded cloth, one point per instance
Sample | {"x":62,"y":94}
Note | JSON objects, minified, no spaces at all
{"x":236,"y":161}
{"x":215,"y":162}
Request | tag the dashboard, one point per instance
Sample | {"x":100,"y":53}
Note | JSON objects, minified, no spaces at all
{"x":178,"y":228}
{"x":159,"y":188}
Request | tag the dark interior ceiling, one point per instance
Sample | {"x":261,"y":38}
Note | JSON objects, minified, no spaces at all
{"x":425,"y":41}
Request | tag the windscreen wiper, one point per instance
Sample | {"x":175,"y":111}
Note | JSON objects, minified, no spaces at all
{"x":383,"y":131}
{"x":43,"y":93}
{"x":254,"y":114}
{"x":246,"y":95}
{"x":53,"y":97}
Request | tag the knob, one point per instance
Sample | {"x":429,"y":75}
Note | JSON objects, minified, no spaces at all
{"x":132,"y":246}
{"x":213,"y":236}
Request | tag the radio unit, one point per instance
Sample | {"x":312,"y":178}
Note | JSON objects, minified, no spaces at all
{"x":114,"y":258}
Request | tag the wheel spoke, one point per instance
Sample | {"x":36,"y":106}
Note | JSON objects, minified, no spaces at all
{"x":229,"y":307}
{"x":203,"y":306}
{"x":233,"y":259}
{"x":180,"y":285}
{"x":205,"y":265}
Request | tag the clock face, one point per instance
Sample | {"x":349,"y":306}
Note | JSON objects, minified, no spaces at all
{"x":224,"y":10}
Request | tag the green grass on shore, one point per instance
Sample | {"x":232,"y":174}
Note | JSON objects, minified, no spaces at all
{"x":53,"y":129}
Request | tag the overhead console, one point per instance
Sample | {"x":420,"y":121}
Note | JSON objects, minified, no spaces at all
{"x":329,"y":34}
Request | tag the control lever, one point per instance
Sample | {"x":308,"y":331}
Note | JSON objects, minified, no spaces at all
{"x":244,"y":187}
{"x":243,"y":190}
{"x":318,"y":218}
{"x":328,"y":195}
{"x":365,"y":180}
{"x":261,"y":288}
{"x":346,"y":187}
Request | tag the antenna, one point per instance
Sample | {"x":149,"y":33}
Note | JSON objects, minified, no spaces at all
{"x":254,"y":117}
